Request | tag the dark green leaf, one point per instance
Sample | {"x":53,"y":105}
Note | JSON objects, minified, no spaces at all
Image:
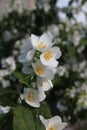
{"x":7,"y":97}
{"x":23,"y":78}
{"x":6,"y":121}
{"x":83,"y":41}
{"x":23,"y":119}
{"x":44,"y":111}
{"x":83,"y":2}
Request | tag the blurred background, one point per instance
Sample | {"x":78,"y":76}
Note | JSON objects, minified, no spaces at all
{"x":66,"y":22}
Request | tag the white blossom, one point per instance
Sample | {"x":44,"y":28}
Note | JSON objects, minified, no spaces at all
{"x":61,"y":70}
{"x":33,"y":97}
{"x":41,"y":43}
{"x":4,"y":109}
{"x":82,"y":102}
{"x":8,"y":66}
{"x":27,"y":51}
{"x":11,"y":63}
{"x":44,"y":84}
{"x":55,"y":123}
{"x":42,"y":70}
{"x":49,"y":56}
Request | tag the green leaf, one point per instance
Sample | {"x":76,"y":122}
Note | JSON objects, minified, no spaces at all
{"x":23,"y":119}
{"x":28,"y":117}
{"x":84,"y":41}
{"x":38,"y":124}
{"x":70,"y":2}
{"x":45,"y":111}
{"x":7,"y":97}
{"x":71,"y":51}
{"x":23,"y":78}
{"x":83,"y":2}
{"x":4,"y":91}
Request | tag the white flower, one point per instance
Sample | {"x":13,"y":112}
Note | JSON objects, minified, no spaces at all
{"x":61,"y":70}
{"x":4,"y":109}
{"x":18,"y":6}
{"x":27,"y":51}
{"x":53,"y":29}
{"x":41,"y":43}
{"x":7,"y":36}
{"x":5,"y":83}
{"x":42,"y":70}
{"x":49,"y":56}
{"x":33,"y":97}
{"x":44,"y":84}
{"x":11,"y":64}
{"x":61,"y":107}
{"x":55,"y":123}
{"x":4,"y":72}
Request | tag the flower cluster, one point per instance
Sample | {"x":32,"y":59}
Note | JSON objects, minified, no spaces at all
{"x":8,"y":66}
{"x":40,"y":56}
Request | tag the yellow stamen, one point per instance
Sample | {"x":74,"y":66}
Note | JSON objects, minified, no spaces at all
{"x":41,"y":45}
{"x":31,"y":96}
{"x":52,"y":127}
{"x":39,"y":70}
{"x":42,"y":83}
{"x":48,"y":55}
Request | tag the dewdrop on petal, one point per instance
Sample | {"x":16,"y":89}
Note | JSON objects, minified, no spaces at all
{"x":54,"y":123}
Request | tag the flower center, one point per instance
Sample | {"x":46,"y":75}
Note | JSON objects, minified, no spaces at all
{"x":48,"y":55}
{"x":31,"y":96}
{"x":52,"y":127}
{"x":42,"y":83}
{"x":41,"y":45}
{"x":39,"y":70}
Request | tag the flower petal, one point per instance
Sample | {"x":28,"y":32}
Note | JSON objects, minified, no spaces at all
{"x":33,"y":104}
{"x":30,"y":55}
{"x":33,"y":97}
{"x":55,"y":119}
{"x":47,"y":39}
{"x":43,"y":71}
{"x":34,"y":40}
{"x":52,"y":62}
{"x":26,"y":46}
{"x":27,"y":70}
{"x":42,"y":96}
{"x":22,"y":58}
{"x":4,"y":109}
{"x":44,"y":84}
{"x":56,"y":51}
{"x":44,"y":121}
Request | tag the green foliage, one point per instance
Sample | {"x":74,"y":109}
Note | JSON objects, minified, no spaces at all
{"x":23,"y":78}
{"x":26,"y":117}
{"x":23,"y":119}
{"x":7,"y":97}
{"x":6,"y":121}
